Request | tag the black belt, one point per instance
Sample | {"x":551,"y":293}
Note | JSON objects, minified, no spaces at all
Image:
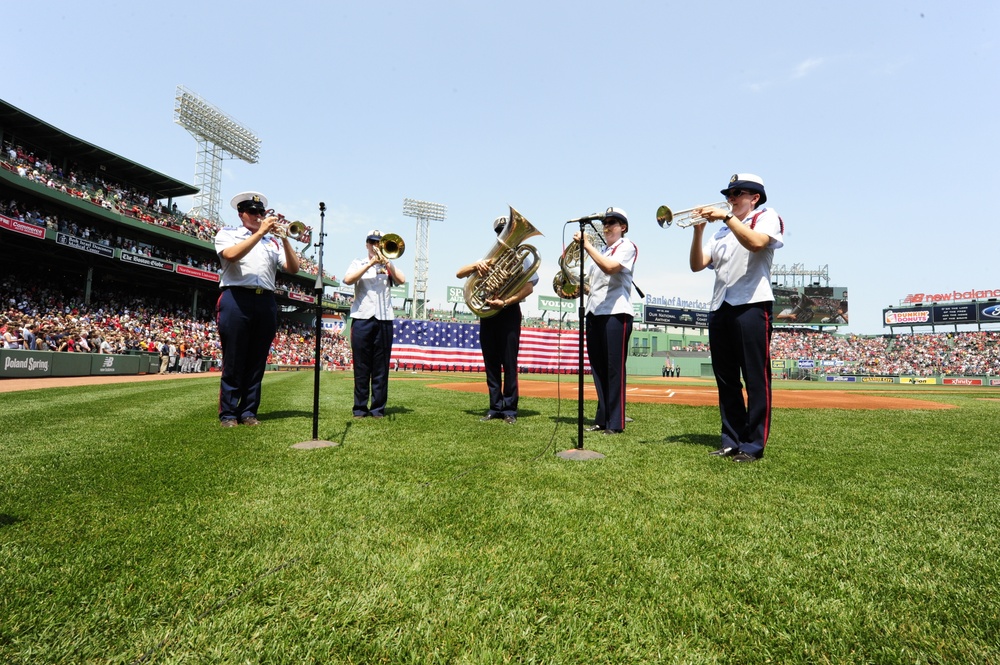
{"x":254,"y":289}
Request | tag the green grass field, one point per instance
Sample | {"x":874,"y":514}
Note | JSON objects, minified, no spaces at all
{"x":134,"y":530}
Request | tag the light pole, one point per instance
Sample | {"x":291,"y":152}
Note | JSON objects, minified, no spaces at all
{"x":424,"y":212}
{"x":218,"y":136}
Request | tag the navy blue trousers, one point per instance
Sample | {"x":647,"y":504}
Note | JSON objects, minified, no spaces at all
{"x":740,"y":338}
{"x":607,"y":350}
{"x":247,"y":325}
{"x":371,"y":346}
{"x":500,"y":338}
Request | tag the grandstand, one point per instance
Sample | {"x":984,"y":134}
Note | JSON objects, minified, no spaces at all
{"x":88,"y":236}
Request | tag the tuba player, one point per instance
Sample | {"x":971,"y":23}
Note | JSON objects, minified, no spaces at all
{"x":500,"y":339}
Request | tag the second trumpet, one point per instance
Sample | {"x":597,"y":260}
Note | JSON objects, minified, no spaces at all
{"x":685,"y":218}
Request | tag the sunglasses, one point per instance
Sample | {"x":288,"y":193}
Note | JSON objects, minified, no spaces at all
{"x":255,"y":211}
{"x":736,"y":193}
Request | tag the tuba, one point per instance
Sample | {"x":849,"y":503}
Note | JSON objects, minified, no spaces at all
{"x":566,"y":283}
{"x":507,"y":273}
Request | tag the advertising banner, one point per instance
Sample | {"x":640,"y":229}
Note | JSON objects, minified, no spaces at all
{"x":85,"y":245}
{"x":553,"y":304}
{"x":22,"y":227}
{"x":22,"y":364}
{"x":209,"y":275}
{"x":147,"y":261}
{"x":108,"y":364}
{"x":675,"y":316}
{"x":909,"y":316}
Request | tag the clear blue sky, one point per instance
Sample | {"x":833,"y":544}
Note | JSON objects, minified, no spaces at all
{"x":873,"y":124}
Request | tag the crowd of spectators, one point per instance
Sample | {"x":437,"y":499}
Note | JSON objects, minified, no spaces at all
{"x":55,"y":317}
{"x":922,"y":354}
{"x":52,"y":317}
{"x":112,"y":196}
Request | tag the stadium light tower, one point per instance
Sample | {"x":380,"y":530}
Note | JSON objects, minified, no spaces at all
{"x":218,"y":136}
{"x":424,"y":212}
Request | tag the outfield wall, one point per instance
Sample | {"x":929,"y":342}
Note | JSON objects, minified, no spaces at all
{"x":21,"y":364}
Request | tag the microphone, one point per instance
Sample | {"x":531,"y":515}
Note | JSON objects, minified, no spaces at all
{"x":593,"y":217}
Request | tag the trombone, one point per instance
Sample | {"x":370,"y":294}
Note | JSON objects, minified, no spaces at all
{"x":685,"y":218}
{"x":391,"y":246}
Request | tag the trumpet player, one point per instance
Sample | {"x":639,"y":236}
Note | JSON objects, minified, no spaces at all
{"x":500,"y":338}
{"x":246,"y":311}
{"x":609,"y":318}
{"x":740,"y":318}
{"x":371,"y":326}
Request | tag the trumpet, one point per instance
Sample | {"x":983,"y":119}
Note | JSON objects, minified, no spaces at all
{"x":292,"y":230}
{"x":391,"y":246}
{"x":685,"y":218}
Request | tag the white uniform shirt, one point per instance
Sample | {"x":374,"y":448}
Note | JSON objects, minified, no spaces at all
{"x":612,"y":294}
{"x":741,"y":276}
{"x":372,"y":297}
{"x":258,"y":268}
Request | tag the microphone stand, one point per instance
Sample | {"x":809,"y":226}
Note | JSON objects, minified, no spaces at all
{"x":316,"y":442}
{"x":579,"y":453}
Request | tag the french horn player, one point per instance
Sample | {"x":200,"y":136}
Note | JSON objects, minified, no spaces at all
{"x":609,"y":317}
{"x":495,"y":287}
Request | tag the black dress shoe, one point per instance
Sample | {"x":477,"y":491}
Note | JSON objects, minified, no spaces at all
{"x":489,"y":416}
{"x":228,"y":422}
{"x":743,"y":457}
{"x":510,"y":420}
{"x":612,"y":432}
{"x":726,"y":451}
{"x":594,"y":428}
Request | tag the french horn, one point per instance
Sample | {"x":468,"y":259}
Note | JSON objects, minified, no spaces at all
{"x":566,"y":282}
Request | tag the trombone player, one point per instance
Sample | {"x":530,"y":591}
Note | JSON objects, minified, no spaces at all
{"x":500,"y":337}
{"x":371,"y":325}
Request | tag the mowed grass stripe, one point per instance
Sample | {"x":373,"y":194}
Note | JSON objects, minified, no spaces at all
{"x":133,"y":528}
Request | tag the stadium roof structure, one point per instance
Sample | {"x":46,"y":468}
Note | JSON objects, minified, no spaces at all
{"x":29,"y":131}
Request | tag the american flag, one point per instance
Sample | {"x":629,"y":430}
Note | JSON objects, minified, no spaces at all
{"x":446,"y":344}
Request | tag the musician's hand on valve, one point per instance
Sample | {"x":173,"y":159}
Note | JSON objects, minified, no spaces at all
{"x":267,"y":224}
{"x":483,"y":267}
{"x":495,"y":303}
{"x":711,"y":214}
